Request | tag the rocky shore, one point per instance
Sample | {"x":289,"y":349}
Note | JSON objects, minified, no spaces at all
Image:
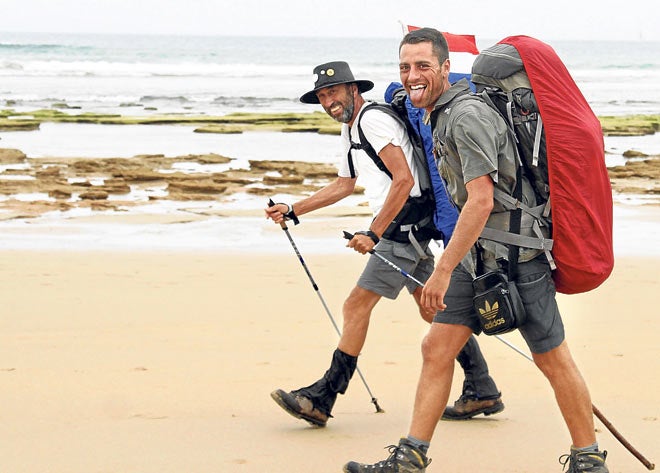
{"x":108,"y":183}
{"x":57,"y":183}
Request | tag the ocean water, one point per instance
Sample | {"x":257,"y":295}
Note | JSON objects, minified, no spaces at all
{"x":217,"y":75}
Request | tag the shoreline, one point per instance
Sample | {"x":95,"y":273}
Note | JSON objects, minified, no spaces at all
{"x":636,"y":231}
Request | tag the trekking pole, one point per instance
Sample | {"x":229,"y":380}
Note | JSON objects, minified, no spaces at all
{"x":325,"y":306}
{"x":596,"y":411}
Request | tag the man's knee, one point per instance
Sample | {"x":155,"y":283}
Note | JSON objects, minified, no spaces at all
{"x":557,"y":360}
{"x":360,"y":301}
{"x":358,"y":306}
{"x":431,"y":352}
{"x":443,"y":343}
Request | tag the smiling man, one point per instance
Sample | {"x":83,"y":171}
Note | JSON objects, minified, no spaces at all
{"x":400,"y":212}
{"x":477,"y":159}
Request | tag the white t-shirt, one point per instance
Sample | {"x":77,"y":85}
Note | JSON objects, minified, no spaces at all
{"x":379,"y":129}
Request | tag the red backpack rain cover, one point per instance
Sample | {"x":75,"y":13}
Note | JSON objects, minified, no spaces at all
{"x":580,"y":191}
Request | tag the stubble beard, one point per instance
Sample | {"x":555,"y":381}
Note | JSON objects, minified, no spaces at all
{"x":347,"y":113}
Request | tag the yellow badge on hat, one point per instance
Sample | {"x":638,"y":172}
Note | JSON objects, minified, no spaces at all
{"x":330,"y":72}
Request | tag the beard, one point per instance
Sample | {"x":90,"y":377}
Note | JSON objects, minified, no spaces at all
{"x":347,"y":114}
{"x":348,"y":107}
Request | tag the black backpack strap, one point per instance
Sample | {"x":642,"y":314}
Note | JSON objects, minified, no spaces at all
{"x":351,"y":166}
{"x":364,"y":144}
{"x":514,"y":227}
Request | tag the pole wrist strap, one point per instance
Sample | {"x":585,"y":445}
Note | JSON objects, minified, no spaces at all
{"x":291,"y":215}
{"x":370,"y":234}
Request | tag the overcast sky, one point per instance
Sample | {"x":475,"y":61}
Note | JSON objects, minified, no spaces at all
{"x":545,"y":19}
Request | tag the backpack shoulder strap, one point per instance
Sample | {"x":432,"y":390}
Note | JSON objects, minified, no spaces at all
{"x":364,"y":144}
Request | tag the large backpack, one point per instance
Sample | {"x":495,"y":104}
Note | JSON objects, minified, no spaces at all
{"x":415,"y":220}
{"x":560,"y":145}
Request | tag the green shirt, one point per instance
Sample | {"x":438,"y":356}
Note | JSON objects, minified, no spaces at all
{"x":472,"y":140}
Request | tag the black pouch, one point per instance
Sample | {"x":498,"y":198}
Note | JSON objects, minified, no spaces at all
{"x":415,"y":210}
{"x":497,"y":303}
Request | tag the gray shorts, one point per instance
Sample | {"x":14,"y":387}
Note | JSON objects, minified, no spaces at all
{"x":543,"y":330}
{"x":381,"y":278}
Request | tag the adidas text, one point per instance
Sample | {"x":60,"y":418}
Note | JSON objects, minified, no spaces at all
{"x":494,"y":323}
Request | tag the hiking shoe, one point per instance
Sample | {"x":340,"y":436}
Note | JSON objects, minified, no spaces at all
{"x":578,"y":462}
{"x":299,"y":407}
{"x":466,"y":407}
{"x":404,"y":458}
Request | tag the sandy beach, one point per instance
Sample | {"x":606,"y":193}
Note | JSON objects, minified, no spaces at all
{"x":163,"y":361}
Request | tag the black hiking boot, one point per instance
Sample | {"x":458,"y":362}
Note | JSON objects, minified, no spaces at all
{"x":314,"y":403}
{"x":468,"y":406}
{"x":404,"y":458}
{"x":299,"y":407}
{"x":579,"y":462}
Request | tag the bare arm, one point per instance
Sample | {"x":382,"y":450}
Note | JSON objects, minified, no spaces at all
{"x":470,"y":223}
{"x":333,"y":192}
{"x":402,"y":182}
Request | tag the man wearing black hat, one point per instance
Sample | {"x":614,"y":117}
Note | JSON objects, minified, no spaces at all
{"x":339,"y":93}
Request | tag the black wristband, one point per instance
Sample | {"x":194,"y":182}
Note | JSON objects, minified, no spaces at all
{"x":291,"y":215}
{"x":370,"y":234}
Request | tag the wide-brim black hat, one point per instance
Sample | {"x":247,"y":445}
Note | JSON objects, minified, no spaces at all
{"x":334,"y":73}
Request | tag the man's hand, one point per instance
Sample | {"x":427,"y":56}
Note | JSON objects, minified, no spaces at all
{"x":361,"y":243}
{"x":277,"y":212}
{"x":435,"y":289}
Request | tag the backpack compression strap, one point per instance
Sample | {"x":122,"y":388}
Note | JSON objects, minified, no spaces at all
{"x":536,"y":213}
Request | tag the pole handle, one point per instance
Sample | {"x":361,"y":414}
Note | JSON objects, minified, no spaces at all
{"x":282,"y":223}
{"x":349,"y":236}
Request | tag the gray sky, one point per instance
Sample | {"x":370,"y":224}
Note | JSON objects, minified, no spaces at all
{"x":546,"y":19}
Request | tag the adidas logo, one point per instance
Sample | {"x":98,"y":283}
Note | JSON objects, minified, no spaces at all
{"x":494,"y":323}
{"x":489,"y":312}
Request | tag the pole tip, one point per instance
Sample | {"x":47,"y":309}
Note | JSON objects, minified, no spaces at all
{"x":378,"y":409}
